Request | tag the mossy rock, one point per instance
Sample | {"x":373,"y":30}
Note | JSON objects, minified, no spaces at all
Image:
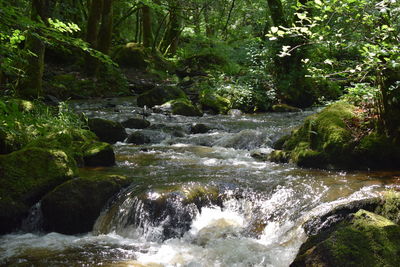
{"x":132,"y":55}
{"x":390,"y":207}
{"x":71,"y":141}
{"x":160,"y":95}
{"x":184,"y":107}
{"x":25,"y":176}
{"x":284,"y":108}
{"x":107,"y":131}
{"x":214,"y":102}
{"x":324,"y":140}
{"x":365,"y":239}
{"x":98,"y":154}
{"x":74,"y":206}
{"x":199,"y":128}
{"x":8,"y":142}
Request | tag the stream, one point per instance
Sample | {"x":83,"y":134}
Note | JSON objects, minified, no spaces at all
{"x":199,"y":199}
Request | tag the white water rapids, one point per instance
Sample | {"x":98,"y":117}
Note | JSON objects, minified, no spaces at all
{"x":257,"y":222}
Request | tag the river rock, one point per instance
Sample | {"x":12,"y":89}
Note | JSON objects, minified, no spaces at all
{"x":99,"y":154}
{"x":107,"y":131}
{"x":285,"y":108}
{"x":199,"y":128}
{"x":138,"y":138}
{"x":214,"y":102}
{"x":362,"y":239}
{"x":333,"y":139}
{"x":136,"y":123}
{"x":159,"y":96}
{"x":74,"y":206}
{"x":25,"y":176}
{"x":185,"y":107}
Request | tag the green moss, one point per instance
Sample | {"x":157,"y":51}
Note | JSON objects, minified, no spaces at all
{"x":26,"y":175}
{"x":367,"y":239}
{"x":98,"y":154}
{"x":285,"y":108}
{"x":184,"y":107}
{"x":391,"y":206}
{"x":212,"y":101}
{"x":159,"y":96}
{"x":324,"y":140}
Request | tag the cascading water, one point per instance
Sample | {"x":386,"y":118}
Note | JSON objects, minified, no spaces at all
{"x":198,"y":199}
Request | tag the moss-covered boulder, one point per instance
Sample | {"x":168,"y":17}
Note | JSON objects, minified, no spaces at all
{"x":72,"y":141}
{"x":131,"y":55}
{"x":136,"y":123}
{"x":363,"y":239}
{"x":8,"y":142}
{"x":74,"y":206}
{"x":25,"y":176}
{"x":284,"y":108}
{"x":210,"y":100}
{"x":335,"y":138}
{"x":184,"y":107}
{"x":107,"y":131}
{"x":159,"y":96}
{"x":98,"y":154}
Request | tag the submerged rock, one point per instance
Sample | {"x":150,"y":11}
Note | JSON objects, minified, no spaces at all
{"x":74,"y":206}
{"x":107,"y":131}
{"x":136,"y":123}
{"x":362,"y":239}
{"x":25,"y":176}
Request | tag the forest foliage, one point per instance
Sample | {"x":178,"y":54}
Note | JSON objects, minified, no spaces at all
{"x":254,"y":53}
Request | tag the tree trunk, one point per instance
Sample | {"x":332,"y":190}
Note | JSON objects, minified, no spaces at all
{"x":171,"y":39}
{"x":106,"y":28}
{"x":92,"y":32}
{"x":30,"y":86}
{"x":147,"y":27}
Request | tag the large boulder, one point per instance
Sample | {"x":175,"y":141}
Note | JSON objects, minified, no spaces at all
{"x":25,"y":176}
{"x":132,"y":55}
{"x":335,"y":139}
{"x":210,"y":100}
{"x":107,"y":131}
{"x":184,"y":107}
{"x":98,"y":154}
{"x":74,"y":206}
{"x":159,"y":96}
{"x":362,"y":239}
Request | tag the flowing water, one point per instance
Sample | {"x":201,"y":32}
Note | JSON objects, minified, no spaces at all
{"x":199,"y":199}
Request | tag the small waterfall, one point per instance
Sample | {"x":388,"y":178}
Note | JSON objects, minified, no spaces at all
{"x":34,"y":221}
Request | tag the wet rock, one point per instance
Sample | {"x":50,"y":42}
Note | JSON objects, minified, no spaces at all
{"x":185,"y":107}
{"x":159,"y":96}
{"x":278,"y":156}
{"x":74,"y":206}
{"x":136,"y":123}
{"x":260,"y":155}
{"x":199,"y":128}
{"x":25,"y":176}
{"x":138,"y":138}
{"x":107,"y":131}
{"x":99,"y":154}
{"x":362,"y":239}
{"x":235,"y":112}
{"x":285,"y":108}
